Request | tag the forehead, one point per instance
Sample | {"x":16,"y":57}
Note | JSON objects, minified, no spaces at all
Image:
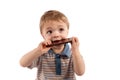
{"x":54,"y":24}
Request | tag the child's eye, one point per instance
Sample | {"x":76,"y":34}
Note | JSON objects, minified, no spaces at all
{"x":61,"y":29}
{"x":49,"y":32}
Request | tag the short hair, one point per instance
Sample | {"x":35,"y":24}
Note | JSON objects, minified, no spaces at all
{"x":53,"y":15}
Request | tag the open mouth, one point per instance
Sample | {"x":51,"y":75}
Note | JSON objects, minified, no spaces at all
{"x":58,"y":42}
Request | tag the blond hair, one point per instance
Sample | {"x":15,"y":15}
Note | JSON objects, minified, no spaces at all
{"x":53,"y":15}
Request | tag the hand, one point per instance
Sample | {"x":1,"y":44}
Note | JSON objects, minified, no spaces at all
{"x":42,"y":46}
{"x":75,"y":44}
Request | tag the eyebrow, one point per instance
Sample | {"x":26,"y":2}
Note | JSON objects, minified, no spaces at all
{"x":60,"y":25}
{"x":48,"y":28}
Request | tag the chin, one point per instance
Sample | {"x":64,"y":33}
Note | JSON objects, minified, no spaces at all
{"x":58,"y":46}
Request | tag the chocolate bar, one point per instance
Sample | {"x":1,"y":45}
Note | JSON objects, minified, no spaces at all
{"x":58,"y":42}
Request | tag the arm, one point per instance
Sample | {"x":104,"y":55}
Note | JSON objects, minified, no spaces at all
{"x":78,"y":62}
{"x":27,"y":59}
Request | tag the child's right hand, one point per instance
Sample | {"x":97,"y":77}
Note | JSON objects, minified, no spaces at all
{"x":42,"y":46}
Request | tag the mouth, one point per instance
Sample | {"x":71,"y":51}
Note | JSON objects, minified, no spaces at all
{"x":59,"y":42}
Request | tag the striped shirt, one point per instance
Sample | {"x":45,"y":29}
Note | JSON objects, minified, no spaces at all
{"x":51,"y":66}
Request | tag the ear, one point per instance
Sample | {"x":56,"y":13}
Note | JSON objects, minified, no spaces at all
{"x":67,"y":31}
{"x":42,"y":35}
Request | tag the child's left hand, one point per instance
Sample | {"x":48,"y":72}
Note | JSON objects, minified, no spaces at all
{"x":75,"y":44}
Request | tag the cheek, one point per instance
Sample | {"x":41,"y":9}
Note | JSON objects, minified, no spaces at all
{"x":46,"y":37}
{"x":65,"y":34}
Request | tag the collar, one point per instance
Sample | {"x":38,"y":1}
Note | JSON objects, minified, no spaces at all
{"x":65,"y":52}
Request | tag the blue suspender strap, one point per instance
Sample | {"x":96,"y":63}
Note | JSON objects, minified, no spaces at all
{"x":58,"y":64}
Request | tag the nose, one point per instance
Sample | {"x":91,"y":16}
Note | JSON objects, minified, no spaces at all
{"x":56,"y":34}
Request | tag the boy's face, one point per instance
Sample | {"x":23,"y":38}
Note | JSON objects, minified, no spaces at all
{"x":54,"y":30}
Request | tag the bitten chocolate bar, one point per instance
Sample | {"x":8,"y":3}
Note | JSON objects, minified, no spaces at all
{"x":58,"y":42}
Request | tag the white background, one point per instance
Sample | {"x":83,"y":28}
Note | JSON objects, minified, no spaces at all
{"x":95,"y":22}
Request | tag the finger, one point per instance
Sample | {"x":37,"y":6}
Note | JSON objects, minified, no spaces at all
{"x":75,"y":41}
{"x":48,"y":42}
